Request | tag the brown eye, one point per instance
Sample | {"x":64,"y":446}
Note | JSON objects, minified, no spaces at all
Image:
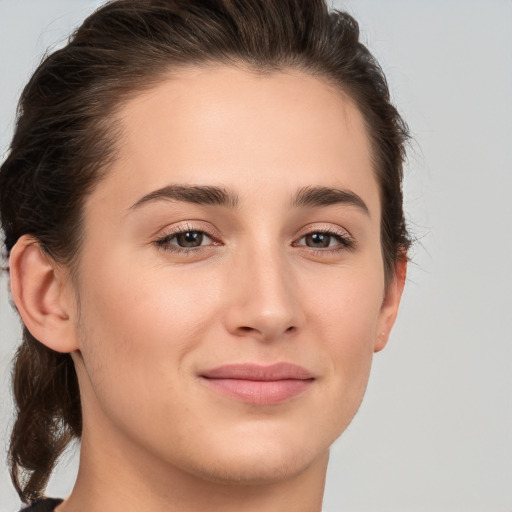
{"x":189,"y":238}
{"x":184,"y":241}
{"x":318,"y":240}
{"x":325,"y":239}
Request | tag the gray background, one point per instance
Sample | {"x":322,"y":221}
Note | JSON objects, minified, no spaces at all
{"x":434,"y":433}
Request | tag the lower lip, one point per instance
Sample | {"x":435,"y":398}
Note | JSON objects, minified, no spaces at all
{"x":260,"y":392}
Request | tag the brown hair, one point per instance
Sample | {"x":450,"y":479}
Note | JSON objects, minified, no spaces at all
{"x":65,"y":139}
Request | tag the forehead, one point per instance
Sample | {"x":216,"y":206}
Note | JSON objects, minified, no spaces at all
{"x":228,"y":126}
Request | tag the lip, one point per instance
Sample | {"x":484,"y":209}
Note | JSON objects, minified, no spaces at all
{"x":259,"y":384}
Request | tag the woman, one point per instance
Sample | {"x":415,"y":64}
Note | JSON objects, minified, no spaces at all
{"x":202,"y":211}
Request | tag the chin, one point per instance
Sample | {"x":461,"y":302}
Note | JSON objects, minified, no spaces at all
{"x":263,"y":470}
{"x":257,"y":460}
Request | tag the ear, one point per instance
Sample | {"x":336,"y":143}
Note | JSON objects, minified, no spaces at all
{"x":42,"y":296}
{"x":389,"y":309}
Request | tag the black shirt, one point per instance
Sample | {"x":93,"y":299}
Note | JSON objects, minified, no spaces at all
{"x":43,"y":505}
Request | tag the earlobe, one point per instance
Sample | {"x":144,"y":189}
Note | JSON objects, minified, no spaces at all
{"x":38,"y":291}
{"x":390,"y":305}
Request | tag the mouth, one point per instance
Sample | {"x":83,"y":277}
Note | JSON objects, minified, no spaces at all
{"x":259,"y":384}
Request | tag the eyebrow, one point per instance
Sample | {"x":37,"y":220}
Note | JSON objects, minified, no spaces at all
{"x":310,"y":196}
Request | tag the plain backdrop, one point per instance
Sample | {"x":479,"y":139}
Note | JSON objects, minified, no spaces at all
{"x":434,"y":433}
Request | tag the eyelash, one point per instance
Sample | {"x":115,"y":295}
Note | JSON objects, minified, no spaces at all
{"x":345,"y":241}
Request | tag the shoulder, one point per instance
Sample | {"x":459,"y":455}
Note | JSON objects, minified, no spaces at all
{"x":43,"y":505}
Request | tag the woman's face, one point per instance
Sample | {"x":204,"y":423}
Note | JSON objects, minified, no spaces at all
{"x":231,"y":282}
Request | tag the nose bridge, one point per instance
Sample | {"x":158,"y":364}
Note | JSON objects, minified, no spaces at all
{"x":264,"y":300}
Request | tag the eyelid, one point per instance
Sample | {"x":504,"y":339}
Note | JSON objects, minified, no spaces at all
{"x":327,"y":228}
{"x":347,"y":242}
{"x":191,"y":225}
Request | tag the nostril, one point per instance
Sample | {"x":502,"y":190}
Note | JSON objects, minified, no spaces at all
{"x":245,"y":328}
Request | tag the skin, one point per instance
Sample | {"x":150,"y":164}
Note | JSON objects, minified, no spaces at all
{"x":150,"y":321}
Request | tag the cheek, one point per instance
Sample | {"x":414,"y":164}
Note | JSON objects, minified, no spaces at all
{"x":140,"y":330}
{"x":348,"y":314}
{"x":143,"y":308}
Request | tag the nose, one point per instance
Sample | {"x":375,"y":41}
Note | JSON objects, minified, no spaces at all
{"x":263,"y":297}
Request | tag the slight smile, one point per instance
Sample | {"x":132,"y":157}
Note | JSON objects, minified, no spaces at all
{"x":259,"y":384}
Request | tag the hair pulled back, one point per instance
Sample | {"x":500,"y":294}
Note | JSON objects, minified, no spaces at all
{"x":65,"y":137}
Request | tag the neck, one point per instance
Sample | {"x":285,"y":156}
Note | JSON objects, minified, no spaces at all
{"x":117,"y":475}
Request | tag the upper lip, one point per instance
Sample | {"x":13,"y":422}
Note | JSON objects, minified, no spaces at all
{"x":258,"y":372}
